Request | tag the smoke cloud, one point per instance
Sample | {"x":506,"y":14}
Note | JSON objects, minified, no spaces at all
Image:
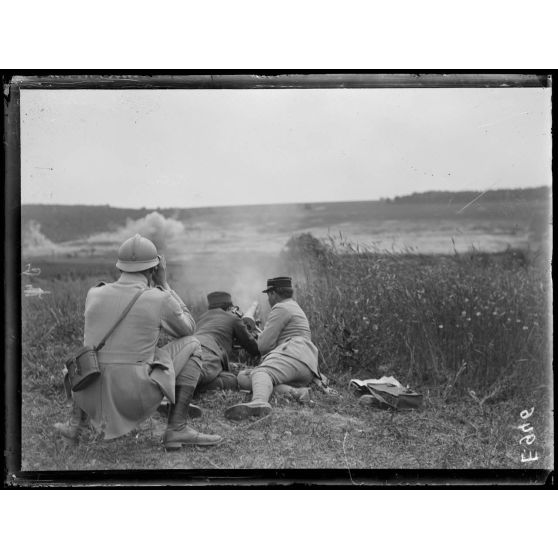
{"x":34,"y":242}
{"x":164,"y":232}
{"x":159,"y":229}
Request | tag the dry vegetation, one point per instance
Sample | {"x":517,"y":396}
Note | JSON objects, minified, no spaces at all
{"x":456,"y":323}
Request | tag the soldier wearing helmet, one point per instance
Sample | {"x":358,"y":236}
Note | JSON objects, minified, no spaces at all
{"x":217,"y":330}
{"x":135,"y":373}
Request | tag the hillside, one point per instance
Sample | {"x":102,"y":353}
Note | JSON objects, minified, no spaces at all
{"x":63,"y":223}
{"x":450,"y":221}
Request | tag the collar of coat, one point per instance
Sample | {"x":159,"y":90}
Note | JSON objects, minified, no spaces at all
{"x":283,"y":301}
{"x":128,"y":278}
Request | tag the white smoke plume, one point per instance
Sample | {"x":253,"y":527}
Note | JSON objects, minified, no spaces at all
{"x":163,"y":231}
{"x":157,"y":228}
{"x":33,"y":241}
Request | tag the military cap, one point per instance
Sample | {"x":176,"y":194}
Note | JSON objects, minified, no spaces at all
{"x":217,"y":298}
{"x":278,"y":282}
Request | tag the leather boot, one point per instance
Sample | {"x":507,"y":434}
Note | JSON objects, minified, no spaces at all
{"x":225,"y":380}
{"x":178,"y":433}
{"x":262,"y":387}
{"x":301,"y":394}
{"x":244,"y":381}
{"x":74,"y":427}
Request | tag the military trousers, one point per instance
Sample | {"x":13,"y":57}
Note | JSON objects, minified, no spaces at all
{"x":292,"y":372}
{"x":187,"y":364}
{"x":212,"y":366}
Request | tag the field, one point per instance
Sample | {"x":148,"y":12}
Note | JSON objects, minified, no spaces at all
{"x":469,"y":330}
{"x":436,"y":227}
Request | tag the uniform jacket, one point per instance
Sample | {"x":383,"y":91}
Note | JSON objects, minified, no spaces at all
{"x":287,"y":335}
{"x":130,"y":388}
{"x":218,"y":329}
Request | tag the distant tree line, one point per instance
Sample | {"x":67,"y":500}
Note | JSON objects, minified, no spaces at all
{"x":508,"y":194}
{"x":60,"y":223}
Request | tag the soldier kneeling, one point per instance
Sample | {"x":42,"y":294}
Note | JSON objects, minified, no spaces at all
{"x":135,"y":373}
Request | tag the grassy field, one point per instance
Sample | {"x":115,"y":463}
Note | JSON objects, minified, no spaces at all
{"x":469,"y":331}
{"x":327,"y":433}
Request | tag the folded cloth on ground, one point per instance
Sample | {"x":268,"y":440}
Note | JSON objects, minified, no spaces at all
{"x":389,"y":393}
{"x":384,"y":380}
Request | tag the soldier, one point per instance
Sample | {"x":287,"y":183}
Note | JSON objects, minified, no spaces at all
{"x":217,"y":330}
{"x":289,"y":358}
{"x":135,"y":374}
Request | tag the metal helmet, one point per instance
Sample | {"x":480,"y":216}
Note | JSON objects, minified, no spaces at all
{"x":137,"y":254}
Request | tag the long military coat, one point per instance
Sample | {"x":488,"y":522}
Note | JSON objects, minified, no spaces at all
{"x":287,"y":335}
{"x":130,"y":388}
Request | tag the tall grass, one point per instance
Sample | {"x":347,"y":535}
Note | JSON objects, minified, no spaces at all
{"x":454,"y":323}
{"x":464,"y":322}
{"x":52,"y":327}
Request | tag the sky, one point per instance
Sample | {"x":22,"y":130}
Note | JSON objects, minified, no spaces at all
{"x":195,"y":148}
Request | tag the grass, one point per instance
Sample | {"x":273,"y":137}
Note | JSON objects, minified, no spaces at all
{"x":371,"y":314}
{"x":325,"y":434}
{"x":464,"y":322}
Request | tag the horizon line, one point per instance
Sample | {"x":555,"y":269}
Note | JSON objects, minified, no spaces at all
{"x":315,"y":202}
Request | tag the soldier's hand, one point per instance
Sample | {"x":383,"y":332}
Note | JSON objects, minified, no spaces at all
{"x":160,"y":273}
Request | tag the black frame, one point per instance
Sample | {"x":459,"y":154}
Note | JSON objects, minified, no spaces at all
{"x":325,"y":478}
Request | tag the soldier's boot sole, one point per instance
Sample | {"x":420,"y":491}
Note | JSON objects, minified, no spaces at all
{"x":186,"y":436}
{"x":243,"y":411}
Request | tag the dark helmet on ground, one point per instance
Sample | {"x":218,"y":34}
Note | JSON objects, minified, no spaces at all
{"x":137,"y":254}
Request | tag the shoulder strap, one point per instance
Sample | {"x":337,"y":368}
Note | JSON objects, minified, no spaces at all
{"x":122,"y":316}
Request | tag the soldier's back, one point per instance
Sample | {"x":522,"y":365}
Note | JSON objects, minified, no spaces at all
{"x":139,"y":330}
{"x":216,"y":325}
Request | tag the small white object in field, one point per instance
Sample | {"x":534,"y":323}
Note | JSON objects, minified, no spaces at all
{"x":31,"y":271}
{"x":29,"y":290}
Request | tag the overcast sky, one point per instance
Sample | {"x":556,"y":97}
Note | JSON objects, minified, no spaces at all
{"x":187,"y":148}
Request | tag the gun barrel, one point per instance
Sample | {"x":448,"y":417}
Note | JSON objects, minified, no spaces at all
{"x":250,"y":318}
{"x":252,"y":311}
